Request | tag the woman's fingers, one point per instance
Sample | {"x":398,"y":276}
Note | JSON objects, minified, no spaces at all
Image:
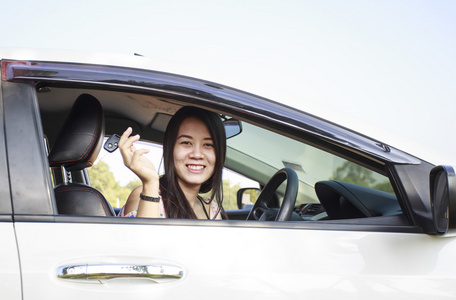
{"x":125,"y":136}
{"x":126,"y":141}
{"x":136,"y":155}
{"x":126,"y":145}
{"x":134,"y":158}
{"x":142,"y":166}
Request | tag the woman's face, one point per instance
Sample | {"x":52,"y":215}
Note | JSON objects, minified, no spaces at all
{"x":194,"y":154}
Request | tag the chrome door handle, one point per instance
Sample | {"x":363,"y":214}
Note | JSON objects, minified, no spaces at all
{"x":99,"y":272}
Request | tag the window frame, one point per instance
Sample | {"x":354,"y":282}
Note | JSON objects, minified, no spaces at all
{"x":6,"y":209}
{"x":44,"y":207}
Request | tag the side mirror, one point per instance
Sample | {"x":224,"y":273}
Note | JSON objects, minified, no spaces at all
{"x":232,"y":127}
{"x":246,"y":197}
{"x":443,"y":199}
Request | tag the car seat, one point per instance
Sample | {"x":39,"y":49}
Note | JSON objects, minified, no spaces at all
{"x":76,"y":148}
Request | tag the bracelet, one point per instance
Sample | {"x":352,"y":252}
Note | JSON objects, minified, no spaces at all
{"x":147,"y":198}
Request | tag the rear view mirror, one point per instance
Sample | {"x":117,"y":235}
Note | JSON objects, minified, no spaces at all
{"x":232,"y":127}
{"x":443,"y":199}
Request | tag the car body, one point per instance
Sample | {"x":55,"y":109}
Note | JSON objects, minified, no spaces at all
{"x":363,"y":223}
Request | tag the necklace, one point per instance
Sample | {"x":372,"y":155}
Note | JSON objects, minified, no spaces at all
{"x":204,"y":208}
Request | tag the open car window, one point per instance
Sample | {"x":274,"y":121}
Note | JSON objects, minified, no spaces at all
{"x":333,"y":183}
{"x":330,"y":187}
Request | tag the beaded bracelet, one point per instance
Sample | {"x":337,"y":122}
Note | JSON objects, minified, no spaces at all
{"x":147,"y":198}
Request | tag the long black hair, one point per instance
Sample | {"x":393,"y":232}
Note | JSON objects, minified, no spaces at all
{"x":175,"y":203}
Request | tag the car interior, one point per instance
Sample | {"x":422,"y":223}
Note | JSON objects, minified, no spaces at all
{"x":328,"y":187}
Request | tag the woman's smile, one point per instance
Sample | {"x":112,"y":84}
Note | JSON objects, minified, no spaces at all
{"x":195,"y":168}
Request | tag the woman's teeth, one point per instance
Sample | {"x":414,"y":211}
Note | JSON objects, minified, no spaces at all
{"x":196,"y":168}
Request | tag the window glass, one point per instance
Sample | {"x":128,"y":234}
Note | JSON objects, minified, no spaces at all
{"x":260,"y":153}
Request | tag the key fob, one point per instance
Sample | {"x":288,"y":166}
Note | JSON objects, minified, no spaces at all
{"x":112,"y":143}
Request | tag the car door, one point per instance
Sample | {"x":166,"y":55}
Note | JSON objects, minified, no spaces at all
{"x":10,"y":279}
{"x":222,"y":261}
{"x":71,"y":257}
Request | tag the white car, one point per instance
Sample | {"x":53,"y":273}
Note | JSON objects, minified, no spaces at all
{"x":340,"y":216}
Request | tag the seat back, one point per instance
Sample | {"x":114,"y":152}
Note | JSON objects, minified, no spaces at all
{"x":76,"y":148}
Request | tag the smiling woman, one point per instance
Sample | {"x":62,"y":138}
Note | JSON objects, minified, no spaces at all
{"x":194,"y":155}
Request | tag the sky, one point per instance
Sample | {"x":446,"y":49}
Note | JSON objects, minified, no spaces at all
{"x":384,"y":68}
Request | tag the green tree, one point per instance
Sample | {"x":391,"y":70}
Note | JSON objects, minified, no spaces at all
{"x":102,"y":179}
{"x":353,"y":173}
{"x":230,"y":195}
{"x":384,"y":186}
{"x":133,"y":184}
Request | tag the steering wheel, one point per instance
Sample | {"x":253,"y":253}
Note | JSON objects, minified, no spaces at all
{"x":261,"y":211}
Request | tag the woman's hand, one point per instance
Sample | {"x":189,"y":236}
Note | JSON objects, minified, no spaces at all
{"x":135,"y":160}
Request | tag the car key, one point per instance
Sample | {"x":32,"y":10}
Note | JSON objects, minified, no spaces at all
{"x":112,"y":143}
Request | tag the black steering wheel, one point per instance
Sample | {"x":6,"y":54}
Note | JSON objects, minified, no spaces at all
{"x":261,"y":211}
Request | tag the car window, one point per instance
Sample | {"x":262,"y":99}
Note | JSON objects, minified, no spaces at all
{"x":260,"y":153}
{"x":341,"y":182}
{"x":252,"y":158}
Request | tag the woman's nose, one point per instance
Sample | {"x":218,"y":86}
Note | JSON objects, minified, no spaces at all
{"x":197,"y":153}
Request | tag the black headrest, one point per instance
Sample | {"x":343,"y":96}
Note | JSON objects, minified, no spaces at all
{"x":81,"y":137}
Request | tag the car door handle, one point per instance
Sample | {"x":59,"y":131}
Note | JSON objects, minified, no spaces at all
{"x":99,"y":272}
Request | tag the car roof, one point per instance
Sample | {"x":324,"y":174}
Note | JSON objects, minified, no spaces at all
{"x":142,"y":74}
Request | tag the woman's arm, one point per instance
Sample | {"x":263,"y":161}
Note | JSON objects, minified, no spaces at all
{"x":135,"y":160}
